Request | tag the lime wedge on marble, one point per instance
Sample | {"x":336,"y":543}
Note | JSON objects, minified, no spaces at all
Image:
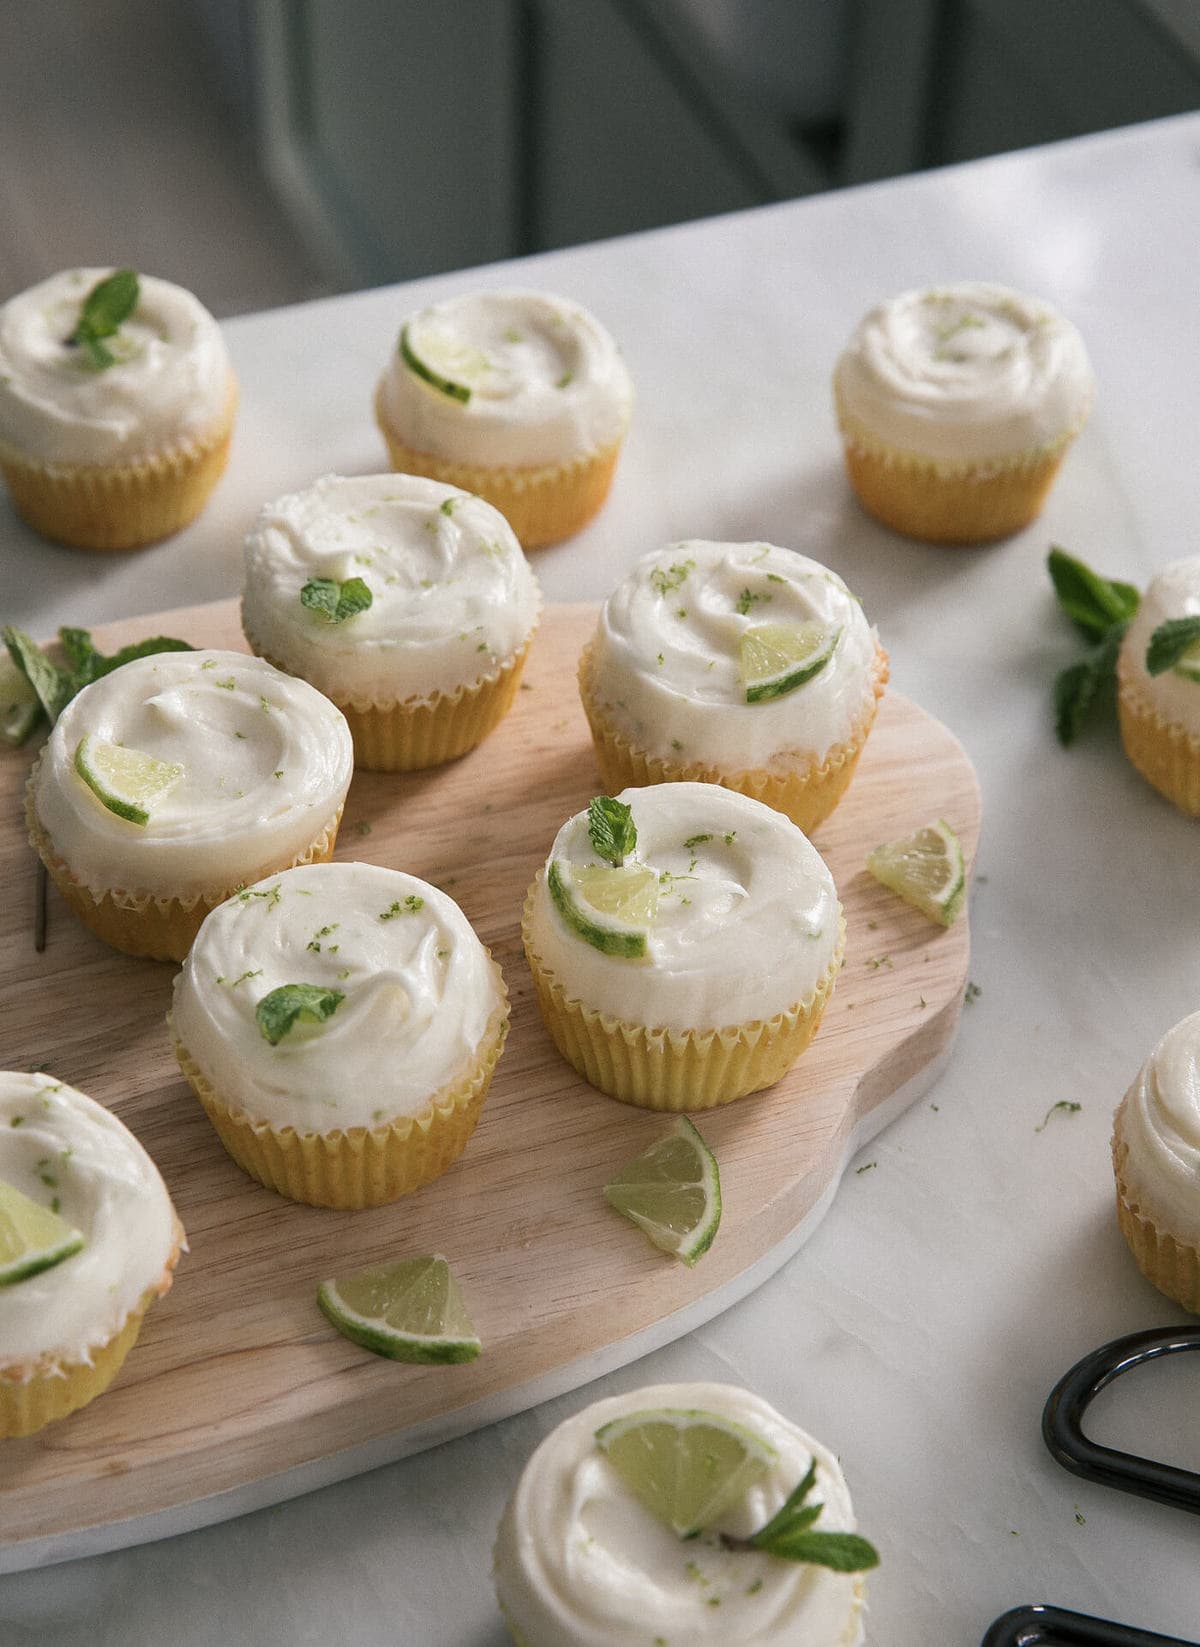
{"x":776,"y":658}
{"x":926,"y":869}
{"x":32,"y":1238}
{"x":672,"y":1192}
{"x":686,"y":1466}
{"x":128,"y":782}
{"x":410,"y":1310}
{"x":610,"y":907}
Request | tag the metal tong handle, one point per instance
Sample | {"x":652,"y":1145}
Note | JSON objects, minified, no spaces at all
{"x":1055,"y":1627}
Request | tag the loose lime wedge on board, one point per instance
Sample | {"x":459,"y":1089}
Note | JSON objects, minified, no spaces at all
{"x":672,"y":1192}
{"x":926,"y":869}
{"x":410,"y":1310}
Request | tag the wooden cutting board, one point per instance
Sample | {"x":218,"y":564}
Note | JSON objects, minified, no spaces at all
{"x":237,"y":1379}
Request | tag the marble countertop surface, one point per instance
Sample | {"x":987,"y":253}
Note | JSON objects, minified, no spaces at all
{"x":920,"y":1329}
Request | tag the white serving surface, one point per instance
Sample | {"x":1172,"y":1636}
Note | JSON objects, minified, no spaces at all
{"x":922,"y":1325}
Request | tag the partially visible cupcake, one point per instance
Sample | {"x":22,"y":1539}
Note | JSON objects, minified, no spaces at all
{"x":956,"y":407}
{"x":684,"y":941}
{"x":65,"y":1329}
{"x":1156,"y":1159}
{"x":407,"y":602}
{"x":117,"y":403}
{"x":178,"y":778}
{"x":741,"y":664}
{"x":581,"y":1560}
{"x":1158,"y":697}
{"x":517,"y":396}
{"x":340,"y":1023}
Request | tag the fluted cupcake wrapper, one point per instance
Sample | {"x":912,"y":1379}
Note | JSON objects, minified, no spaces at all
{"x":1170,"y":1265}
{"x":357,"y":1167}
{"x":120,"y":505}
{"x":31,"y":1397}
{"x":665,"y":1069}
{"x":807,"y":795}
{"x":1167,"y":756}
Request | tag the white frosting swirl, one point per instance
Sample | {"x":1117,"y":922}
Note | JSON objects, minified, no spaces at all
{"x":452,"y":595}
{"x":65,"y":1151}
{"x":419,"y":992}
{"x":1160,"y":1123}
{"x":170,"y":384}
{"x":266,"y":764}
{"x":748,"y":919}
{"x":1174,"y":593}
{"x":965,"y":374}
{"x":580,"y":1563}
{"x":664,"y":662}
{"x":546,"y":382}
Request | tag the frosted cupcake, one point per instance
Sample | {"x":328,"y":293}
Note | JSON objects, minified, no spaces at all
{"x":517,"y":396}
{"x":1158,"y":674}
{"x":178,"y":778}
{"x":734,"y":663}
{"x":66,"y":1328}
{"x":407,"y":602}
{"x":684,"y":941}
{"x":1156,"y":1158}
{"x":340,"y":1024}
{"x":117,"y":403}
{"x":956,"y":407}
{"x":583,"y":1560}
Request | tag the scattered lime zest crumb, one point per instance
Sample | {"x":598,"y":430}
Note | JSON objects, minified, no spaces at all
{"x":749,"y":598}
{"x":866,"y":1167}
{"x":363,"y":827}
{"x":877,"y":961}
{"x":406,"y":906}
{"x":1067,"y":1106}
{"x":662,"y":582}
{"x":972,"y":994}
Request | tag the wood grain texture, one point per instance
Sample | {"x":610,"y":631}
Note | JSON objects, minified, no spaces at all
{"x":236,"y":1375}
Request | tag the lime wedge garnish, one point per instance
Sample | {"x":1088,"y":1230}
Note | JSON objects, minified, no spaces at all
{"x":611,"y":908}
{"x":445,"y":363}
{"x":672,"y":1191}
{"x":127,"y":781}
{"x":19,"y":706}
{"x":926,"y":869}
{"x":775,"y":658}
{"x":409,"y":1311}
{"x":32,"y":1238}
{"x":686,"y":1467}
{"x":1188,"y":662}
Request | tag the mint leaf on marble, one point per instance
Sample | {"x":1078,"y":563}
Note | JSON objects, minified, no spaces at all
{"x":279,"y":1011}
{"x":1093,"y":603}
{"x":611,"y":829}
{"x":1169,"y":642}
{"x":1084,"y":684}
{"x":334,"y":601}
{"x":106,"y":307}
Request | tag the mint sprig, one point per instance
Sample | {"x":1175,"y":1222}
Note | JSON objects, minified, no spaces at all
{"x":789,"y":1535}
{"x":106,"y":307}
{"x":1085,"y":683}
{"x":611,"y":829}
{"x":1101,"y":609}
{"x":1169,"y":642}
{"x":55,"y":686}
{"x":280,"y":1010}
{"x":335,"y":601}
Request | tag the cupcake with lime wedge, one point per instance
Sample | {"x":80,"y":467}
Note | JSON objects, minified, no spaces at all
{"x":177,"y":778}
{"x":88,"y":1240}
{"x":684,"y":940}
{"x":741,"y":664}
{"x":1158,"y":681}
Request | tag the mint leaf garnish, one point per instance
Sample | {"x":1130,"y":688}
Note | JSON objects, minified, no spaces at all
{"x":611,"y":829}
{"x":1169,"y":642}
{"x":336,"y":601}
{"x":1083,"y":684}
{"x":105,"y":308}
{"x":789,"y":1535}
{"x":56,"y":687}
{"x":51,"y":684}
{"x":1093,"y":603}
{"x":277,"y":1012}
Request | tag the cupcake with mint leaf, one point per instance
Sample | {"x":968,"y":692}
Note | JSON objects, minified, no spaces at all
{"x":1158,"y":685}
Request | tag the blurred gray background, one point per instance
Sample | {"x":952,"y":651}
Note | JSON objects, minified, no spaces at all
{"x":265,"y":151}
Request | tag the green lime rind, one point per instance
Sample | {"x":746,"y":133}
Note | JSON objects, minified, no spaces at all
{"x":444,"y":385}
{"x":686,"y":1466}
{"x":768,"y":689}
{"x":148,"y":778}
{"x":672,"y":1192}
{"x":626,"y":945}
{"x":410,"y":1310}
{"x":32,"y":1237}
{"x":926,"y":869}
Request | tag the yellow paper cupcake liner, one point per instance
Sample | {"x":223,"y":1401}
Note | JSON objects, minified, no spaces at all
{"x":120,"y":505}
{"x":1167,"y":756}
{"x":1171,"y":1266}
{"x":806,"y":795}
{"x":140,"y":923}
{"x":542,"y":505}
{"x":665,"y":1069}
{"x":357,"y":1167}
{"x":33,"y":1396}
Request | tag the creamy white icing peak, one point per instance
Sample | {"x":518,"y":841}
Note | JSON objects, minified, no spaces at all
{"x":266,"y":764}
{"x":747,"y":925}
{"x":965,"y":374}
{"x":452,"y":595}
{"x":419,"y":992}
{"x":109,"y":1189}
{"x":1174,"y":593}
{"x":665,"y":657}
{"x":547,"y":383}
{"x":170,"y":383}
{"x":1160,"y":1122}
{"x":580,"y":1563}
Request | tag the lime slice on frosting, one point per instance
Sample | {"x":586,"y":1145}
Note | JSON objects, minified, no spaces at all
{"x":687,"y":1467}
{"x":926,"y":869}
{"x":1188,"y":663}
{"x":451,"y":367}
{"x":32,"y":1238}
{"x":409,"y":1311}
{"x":775,"y":658}
{"x":672,"y":1191}
{"x":19,"y":706}
{"x":610,"y":907}
{"x":128,"y":782}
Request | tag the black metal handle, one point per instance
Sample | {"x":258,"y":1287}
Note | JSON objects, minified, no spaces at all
{"x":1063,"y":1413}
{"x":1055,"y":1627}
